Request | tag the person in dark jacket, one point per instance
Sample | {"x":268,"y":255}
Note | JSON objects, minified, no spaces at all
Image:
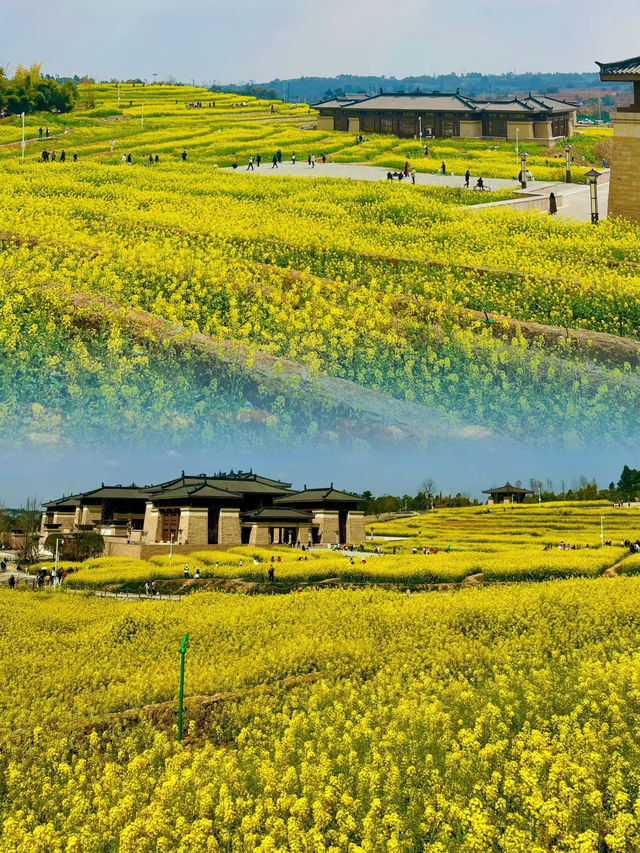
{"x":553,"y":207}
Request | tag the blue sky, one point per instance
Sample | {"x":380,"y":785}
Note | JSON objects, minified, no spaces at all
{"x":226,"y":40}
{"x":48,"y":474}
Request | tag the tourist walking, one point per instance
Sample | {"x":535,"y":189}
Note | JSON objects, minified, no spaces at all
{"x":146,"y":587}
{"x":40,"y":132}
{"x":426,"y":150}
{"x":275,"y":161}
{"x":12,"y":581}
{"x":151,"y":159}
{"x":271,"y":574}
{"x":184,"y":156}
{"x":186,"y":571}
{"x":112,"y":145}
{"x":413,"y":176}
{"x":313,"y":161}
{"x":405,"y":171}
{"x":129,"y":159}
{"x":293,"y":159}
{"x":443,"y":168}
{"x":467,"y":178}
{"x":153,"y":588}
{"x":47,"y":133}
{"x":324,"y":158}
{"x":157,"y":159}
{"x":279,"y":155}
{"x":258,"y":160}
{"x":75,"y":156}
{"x":250,"y":166}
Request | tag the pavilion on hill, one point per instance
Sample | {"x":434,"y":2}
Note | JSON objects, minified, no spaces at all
{"x":506,"y":494}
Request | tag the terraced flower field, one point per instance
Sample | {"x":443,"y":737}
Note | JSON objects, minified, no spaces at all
{"x":498,"y":719}
{"x":520,"y":543}
{"x":148,"y":300}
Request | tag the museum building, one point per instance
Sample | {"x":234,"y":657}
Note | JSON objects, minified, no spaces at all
{"x":537,"y":118}
{"x":206,"y":512}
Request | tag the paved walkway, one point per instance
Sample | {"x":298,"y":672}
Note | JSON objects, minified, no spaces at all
{"x":575,"y":197}
{"x":364,"y":172}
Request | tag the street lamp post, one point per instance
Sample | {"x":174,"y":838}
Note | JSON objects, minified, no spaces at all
{"x":523,"y":169}
{"x":567,"y":162}
{"x":420,"y":126}
{"x":23,"y":144}
{"x":58,"y":541}
{"x":517,"y":141}
{"x":592,"y":176}
{"x":171,"y":550}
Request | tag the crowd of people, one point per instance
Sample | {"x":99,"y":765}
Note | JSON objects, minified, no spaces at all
{"x":51,"y":156}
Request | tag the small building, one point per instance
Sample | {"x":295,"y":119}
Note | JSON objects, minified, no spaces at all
{"x":506,"y":494}
{"x":624,"y":182}
{"x":537,"y":118}
{"x":207,"y":512}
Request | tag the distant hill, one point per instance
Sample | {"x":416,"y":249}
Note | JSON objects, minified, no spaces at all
{"x":312,"y":89}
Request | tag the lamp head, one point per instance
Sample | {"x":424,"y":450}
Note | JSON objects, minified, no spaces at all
{"x":592,"y":176}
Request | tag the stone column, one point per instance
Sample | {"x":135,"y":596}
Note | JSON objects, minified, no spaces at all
{"x":194,"y":523}
{"x":229,"y":528}
{"x":355,"y":527}
{"x":624,"y":183}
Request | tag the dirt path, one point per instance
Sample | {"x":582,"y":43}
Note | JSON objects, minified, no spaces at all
{"x":43,"y":139}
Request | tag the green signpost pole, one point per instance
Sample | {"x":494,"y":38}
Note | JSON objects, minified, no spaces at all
{"x":183,"y":651}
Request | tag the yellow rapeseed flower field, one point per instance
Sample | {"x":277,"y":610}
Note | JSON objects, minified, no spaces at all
{"x":109,"y":269}
{"x":500,"y":719}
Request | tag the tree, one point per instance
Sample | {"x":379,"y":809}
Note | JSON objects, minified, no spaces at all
{"x":629,"y":483}
{"x":90,"y":545}
{"x":6,"y":523}
{"x":28,"y":523}
{"x":428,"y":486}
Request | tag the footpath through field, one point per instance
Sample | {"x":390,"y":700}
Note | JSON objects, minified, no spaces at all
{"x":573,"y":198}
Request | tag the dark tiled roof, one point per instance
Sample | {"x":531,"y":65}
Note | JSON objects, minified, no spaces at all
{"x":108,"y":492}
{"x":416,"y":101}
{"x":199,"y":490}
{"x":70,"y":500}
{"x":624,"y":69}
{"x":277,"y":514}
{"x":241,"y":482}
{"x":310,"y":496}
{"x":446,"y":102}
{"x":508,"y":489}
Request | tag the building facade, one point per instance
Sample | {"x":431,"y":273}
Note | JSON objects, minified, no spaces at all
{"x":624,"y":181}
{"x":418,"y":115}
{"x":201,"y":512}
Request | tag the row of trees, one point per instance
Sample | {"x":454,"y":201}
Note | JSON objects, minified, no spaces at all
{"x":29,"y":92}
{"x":627,"y":488}
{"x":428,"y":497}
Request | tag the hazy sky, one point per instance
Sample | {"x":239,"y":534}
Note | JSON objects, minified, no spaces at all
{"x":233,"y":40}
{"x":48,"y":475}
